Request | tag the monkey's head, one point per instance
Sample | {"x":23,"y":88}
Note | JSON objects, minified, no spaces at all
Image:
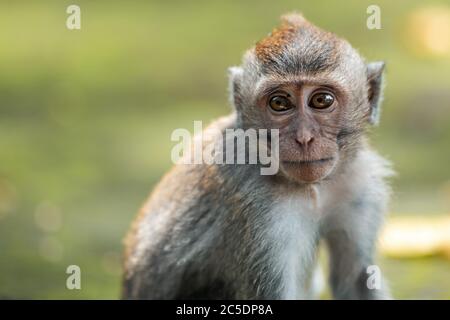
{"x":312,"y":86}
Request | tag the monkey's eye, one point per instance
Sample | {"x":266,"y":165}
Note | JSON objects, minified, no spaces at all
{"x":280,"y":104}
{"x":321,"y":100}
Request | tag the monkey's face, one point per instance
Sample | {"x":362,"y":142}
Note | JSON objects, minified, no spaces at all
{"x":308,"y":118}
{"x":312,"y":86}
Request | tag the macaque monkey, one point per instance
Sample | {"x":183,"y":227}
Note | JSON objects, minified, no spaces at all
{"x":226,"y":231}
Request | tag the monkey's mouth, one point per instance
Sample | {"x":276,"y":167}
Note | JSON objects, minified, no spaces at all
{"x":310,"y":170}
{"x":307,"y":162}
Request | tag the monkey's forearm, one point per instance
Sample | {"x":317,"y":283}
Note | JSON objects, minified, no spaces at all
{"x":351,"y":248}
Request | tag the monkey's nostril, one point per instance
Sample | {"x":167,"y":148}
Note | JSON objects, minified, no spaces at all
{"x":305,"y":141}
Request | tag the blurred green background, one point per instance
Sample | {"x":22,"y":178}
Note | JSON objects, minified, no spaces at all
{"x":86,"y":117}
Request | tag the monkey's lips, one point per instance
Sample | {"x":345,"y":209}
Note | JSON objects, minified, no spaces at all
{"x":308,"y":162}
{"x":308,"y":170}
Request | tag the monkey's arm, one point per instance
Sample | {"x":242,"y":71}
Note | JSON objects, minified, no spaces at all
{"x":351,"y":238}
{"x":351,"y":234}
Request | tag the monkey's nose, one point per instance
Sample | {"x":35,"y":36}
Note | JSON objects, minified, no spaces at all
{"x":304,"y":138}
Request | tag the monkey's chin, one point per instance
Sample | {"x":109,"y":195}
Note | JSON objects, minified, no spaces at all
{"x":308,"y":171}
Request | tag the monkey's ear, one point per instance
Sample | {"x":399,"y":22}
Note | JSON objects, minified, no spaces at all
{"x":235,"y":75}
{"x":375,"y":82}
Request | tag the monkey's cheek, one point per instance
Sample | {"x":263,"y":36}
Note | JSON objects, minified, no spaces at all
{"x":307,"y":173}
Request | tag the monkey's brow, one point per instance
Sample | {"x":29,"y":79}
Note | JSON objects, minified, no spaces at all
{"x":269,"y":87}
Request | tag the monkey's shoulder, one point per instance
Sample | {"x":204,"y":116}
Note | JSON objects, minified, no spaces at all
{"x":365,"y":180}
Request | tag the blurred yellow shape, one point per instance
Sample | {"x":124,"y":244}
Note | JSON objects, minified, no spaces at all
{"x":428,"y":30}
{"x":405,"y":237}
